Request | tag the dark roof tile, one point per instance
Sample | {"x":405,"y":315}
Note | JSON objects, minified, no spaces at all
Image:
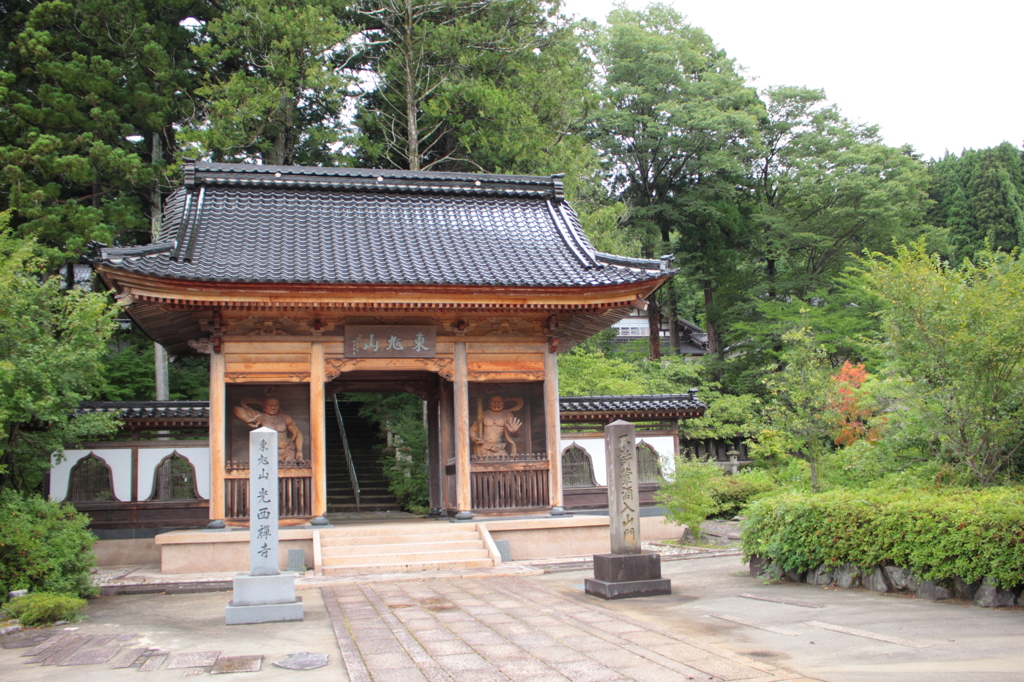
{"x":243,"y":223}
{"x":676,"y":402}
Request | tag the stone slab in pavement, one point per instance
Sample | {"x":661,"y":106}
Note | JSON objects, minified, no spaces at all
{"x":193,"y":659}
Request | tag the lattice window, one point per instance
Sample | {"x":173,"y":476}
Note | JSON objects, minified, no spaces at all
{"x":649,"y":463}
{"x":577,"y":468}
{"x":90,"y":481}
{"x":175,"y":479}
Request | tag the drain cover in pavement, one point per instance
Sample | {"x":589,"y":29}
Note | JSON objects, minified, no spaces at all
{"x":238,"y":664}
{"x":303,"y":661}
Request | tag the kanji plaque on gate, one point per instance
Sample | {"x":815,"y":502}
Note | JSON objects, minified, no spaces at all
{"x":390,"y":341}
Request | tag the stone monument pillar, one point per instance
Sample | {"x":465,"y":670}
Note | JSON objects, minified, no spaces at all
{"x":264,"y":594}
{"x":627,"y":571}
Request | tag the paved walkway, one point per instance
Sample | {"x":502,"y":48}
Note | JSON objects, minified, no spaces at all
{"x":718,"y":624}
{"x":507,"y":629}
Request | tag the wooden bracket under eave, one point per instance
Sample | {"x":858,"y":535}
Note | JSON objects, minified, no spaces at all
{"x":553,"y":344}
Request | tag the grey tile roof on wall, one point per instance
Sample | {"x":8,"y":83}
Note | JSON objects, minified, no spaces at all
{"x":281,"y":224}
{"x":197,"y":410}
{"x":676,"y":402}
{"x":200,"y":409}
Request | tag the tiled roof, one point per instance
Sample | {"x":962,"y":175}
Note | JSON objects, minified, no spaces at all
{"x":677,"y":402}
{"x":171,"y":410}
{"x":199,"y":410}
{"x":290,"y":224}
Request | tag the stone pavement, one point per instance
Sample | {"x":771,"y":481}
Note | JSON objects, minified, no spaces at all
{"x":509,"y":629}
{"x":719,"y":623}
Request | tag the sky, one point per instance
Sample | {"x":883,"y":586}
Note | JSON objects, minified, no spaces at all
{"x":937,"y":75}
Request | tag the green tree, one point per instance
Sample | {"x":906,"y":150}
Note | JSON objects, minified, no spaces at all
{"x":676,"y":125}
{"x":954,"y":336}
{"x":499,"y":86}
{"x":798,"y":419}
{"x":827,"y":188}
{"x":51,"y":345}
{"x":276,"y":82}
{"x":979,"y":197}
{"x":91,"y":93}
{"x":997,"y":198}
{"x":128,"y":372}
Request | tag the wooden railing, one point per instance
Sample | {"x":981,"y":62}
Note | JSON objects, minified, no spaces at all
{"x":510,"y":483}
{"x":295,"y":495}
{"x":514,"y":482}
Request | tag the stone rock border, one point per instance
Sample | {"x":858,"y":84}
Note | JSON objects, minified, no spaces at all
{"x":883,"y":579}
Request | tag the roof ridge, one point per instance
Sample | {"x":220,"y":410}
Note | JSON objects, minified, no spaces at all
{"x":381,"y":180}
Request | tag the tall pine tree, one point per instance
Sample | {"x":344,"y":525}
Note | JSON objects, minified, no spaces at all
{"x":92,"y":94}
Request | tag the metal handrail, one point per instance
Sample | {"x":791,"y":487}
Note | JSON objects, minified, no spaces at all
{"x":348,"y":453}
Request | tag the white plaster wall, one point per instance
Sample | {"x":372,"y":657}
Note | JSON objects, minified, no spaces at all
{"x":119,"y":460}
{"x":663,"y":445}
{"x":150,"y":458}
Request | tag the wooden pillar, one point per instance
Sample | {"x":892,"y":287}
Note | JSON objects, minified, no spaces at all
{"x":447,"y":424}
{"x":464,"y":500}
{"x":435,"y":463}
{"x":318,"y":431}
{"x":217,"y":439}
{"x":553,"y":425}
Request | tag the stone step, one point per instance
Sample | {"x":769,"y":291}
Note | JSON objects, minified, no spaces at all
{"x":374,"y":541}
{"x":363,"y":495}
{"x":338,"y":556}
{"x":413,"y":528}
{"x":350,"y":508}
{"x":409,"y":567}
{"x":386,"y":550}
{"x":345,"y":484}
{"x":363,"y":501}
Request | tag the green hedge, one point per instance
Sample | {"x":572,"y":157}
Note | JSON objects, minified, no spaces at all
{"x":938,"y":535}
{"x":732,"y":493}
{"x":44,"y":546}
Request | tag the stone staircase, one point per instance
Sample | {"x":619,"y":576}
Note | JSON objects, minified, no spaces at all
{"x":363,"y":441}
{"x":404,"y":548}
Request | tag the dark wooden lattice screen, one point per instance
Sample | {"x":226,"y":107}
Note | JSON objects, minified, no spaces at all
{"x":175,"y":480}
{"x":649,"y":463}
{"x":90,"y":481}
{"x":577,"y":468}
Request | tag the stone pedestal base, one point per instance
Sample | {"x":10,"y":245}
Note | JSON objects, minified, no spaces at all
{"x":263,"y":599}
{"x":620,"y":576}
{"x":263,"y":613}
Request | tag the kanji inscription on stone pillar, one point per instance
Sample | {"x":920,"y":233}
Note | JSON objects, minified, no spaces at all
{"x":263,"y":509}
{"x":623,"y":487}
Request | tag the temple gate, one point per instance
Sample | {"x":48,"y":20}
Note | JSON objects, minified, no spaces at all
{"x":305,"y":282}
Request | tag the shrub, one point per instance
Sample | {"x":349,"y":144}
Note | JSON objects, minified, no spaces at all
{"x":43,"y":608}
{"x":732,"y":493}
{"x":938,"y":535}
{"x":689,"y":498}
{"x":44,"y":546}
